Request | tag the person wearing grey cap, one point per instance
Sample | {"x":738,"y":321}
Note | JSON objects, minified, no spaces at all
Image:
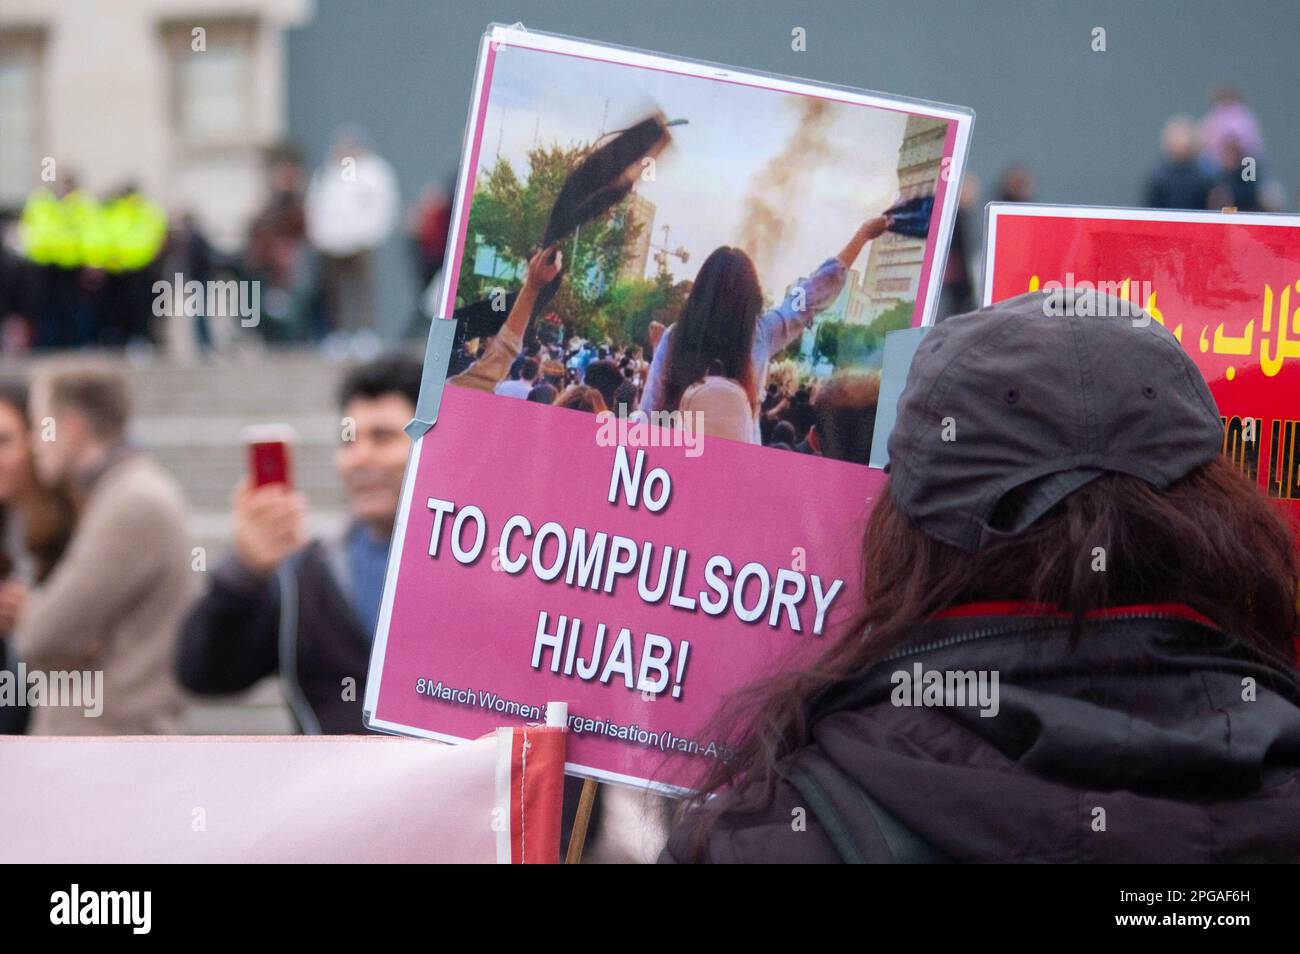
{"x":1079,"y":641}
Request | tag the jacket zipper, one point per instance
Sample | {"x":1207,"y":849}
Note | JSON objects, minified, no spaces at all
{"x":985,"y":633}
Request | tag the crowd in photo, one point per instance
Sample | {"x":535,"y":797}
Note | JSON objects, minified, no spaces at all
{"x":719,"y":361}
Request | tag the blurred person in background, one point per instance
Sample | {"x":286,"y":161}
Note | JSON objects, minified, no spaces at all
{"x":308,"y":609}
{"x":1229,"y":124}
{"x":116,"y":596}
{"x":276,"y":252}
{"x":605,"y":377}
{"x":132,"y":231}
{"x":957,"y":295}
{"x":543,"y":394}
{"x":1242,"y":183}
{"x":1017,"y":184}
{"x":95,"y":261}
{"x":783,"y":437}
{"x":796,"y":409}
{"x":1179,"y":182}
{"x":58,"y":234}
{"x":627,"y":396}
{"x":35,"y":524}
{"x":18,"y":289}
{"x":427,"y":222}
{"x":1232,"y":149}
{"x":187,"y":253}
{"x":351,"y":209}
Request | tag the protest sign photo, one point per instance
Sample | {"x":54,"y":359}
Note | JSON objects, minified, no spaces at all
{"x":699,"y":263}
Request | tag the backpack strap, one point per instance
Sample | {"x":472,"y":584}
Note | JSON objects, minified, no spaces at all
{"x":846,"y":846}
{"x":287,"y":645}
{"x":847,"y":825}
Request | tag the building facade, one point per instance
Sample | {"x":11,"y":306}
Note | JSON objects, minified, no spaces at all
{"x":179,"y":97}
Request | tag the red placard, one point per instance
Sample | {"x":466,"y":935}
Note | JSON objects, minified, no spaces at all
{"x":1226,"y":284}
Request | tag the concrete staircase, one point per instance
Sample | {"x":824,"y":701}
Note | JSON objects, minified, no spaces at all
{"x":191,"y":419}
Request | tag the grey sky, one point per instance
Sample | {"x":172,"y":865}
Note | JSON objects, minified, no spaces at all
{"x":701,"y":181}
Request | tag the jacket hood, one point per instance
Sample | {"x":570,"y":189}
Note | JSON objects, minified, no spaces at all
{"x":1155,"y":737}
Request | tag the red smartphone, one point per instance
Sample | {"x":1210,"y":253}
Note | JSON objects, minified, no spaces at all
{"x":270,"y":458}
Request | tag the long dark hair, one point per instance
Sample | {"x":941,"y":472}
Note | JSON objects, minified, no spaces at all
{"x":716,"y":326}
{"x":1212,"y":541}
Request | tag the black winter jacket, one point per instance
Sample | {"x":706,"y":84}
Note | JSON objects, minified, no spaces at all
{"x":1158,"y":738}
{"x":238,"y":632}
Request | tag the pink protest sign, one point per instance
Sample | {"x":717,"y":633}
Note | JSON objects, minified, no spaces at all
{"x":472,"y":639}
{"x":646,"y":485}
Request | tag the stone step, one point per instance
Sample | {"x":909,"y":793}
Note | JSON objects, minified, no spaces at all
{"x":208,"y":475}
{"x":259,"y":711}
{"x":280,"y":388}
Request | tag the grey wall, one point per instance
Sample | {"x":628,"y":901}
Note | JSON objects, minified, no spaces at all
{"x":1087,"y":123}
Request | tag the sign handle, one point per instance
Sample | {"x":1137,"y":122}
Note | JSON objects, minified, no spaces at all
{"x":578,"y":837}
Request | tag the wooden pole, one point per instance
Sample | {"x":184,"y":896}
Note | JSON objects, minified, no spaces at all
{"x":578,"y":837}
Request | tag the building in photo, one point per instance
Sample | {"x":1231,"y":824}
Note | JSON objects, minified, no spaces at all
{"x":894,"y":262}
{"x":640,"y":212}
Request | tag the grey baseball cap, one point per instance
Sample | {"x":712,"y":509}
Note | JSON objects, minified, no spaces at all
{"x":1010,"y":409}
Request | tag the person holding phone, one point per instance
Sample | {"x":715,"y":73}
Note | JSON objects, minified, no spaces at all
{"x":307,"y":609}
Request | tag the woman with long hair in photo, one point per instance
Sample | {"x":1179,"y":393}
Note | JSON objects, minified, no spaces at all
{"x":35,"y":525}
{"x":1079,"y":632}
{"x":724,"y":332}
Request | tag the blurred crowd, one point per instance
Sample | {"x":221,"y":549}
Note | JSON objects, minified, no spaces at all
{"x":82,"y":270}
{"x":1212,"y":163}
{"x":797,"y":411}
{"x":77,"y":269}
{"x":722,"y":365}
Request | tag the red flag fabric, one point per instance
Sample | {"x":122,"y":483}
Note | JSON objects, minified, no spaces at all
{"x":530,"y":794}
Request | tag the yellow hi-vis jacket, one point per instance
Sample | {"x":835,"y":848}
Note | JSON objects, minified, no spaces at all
{"x":122,"y":235}
{"x":135,"y":229}
{"x":54,"y":230}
